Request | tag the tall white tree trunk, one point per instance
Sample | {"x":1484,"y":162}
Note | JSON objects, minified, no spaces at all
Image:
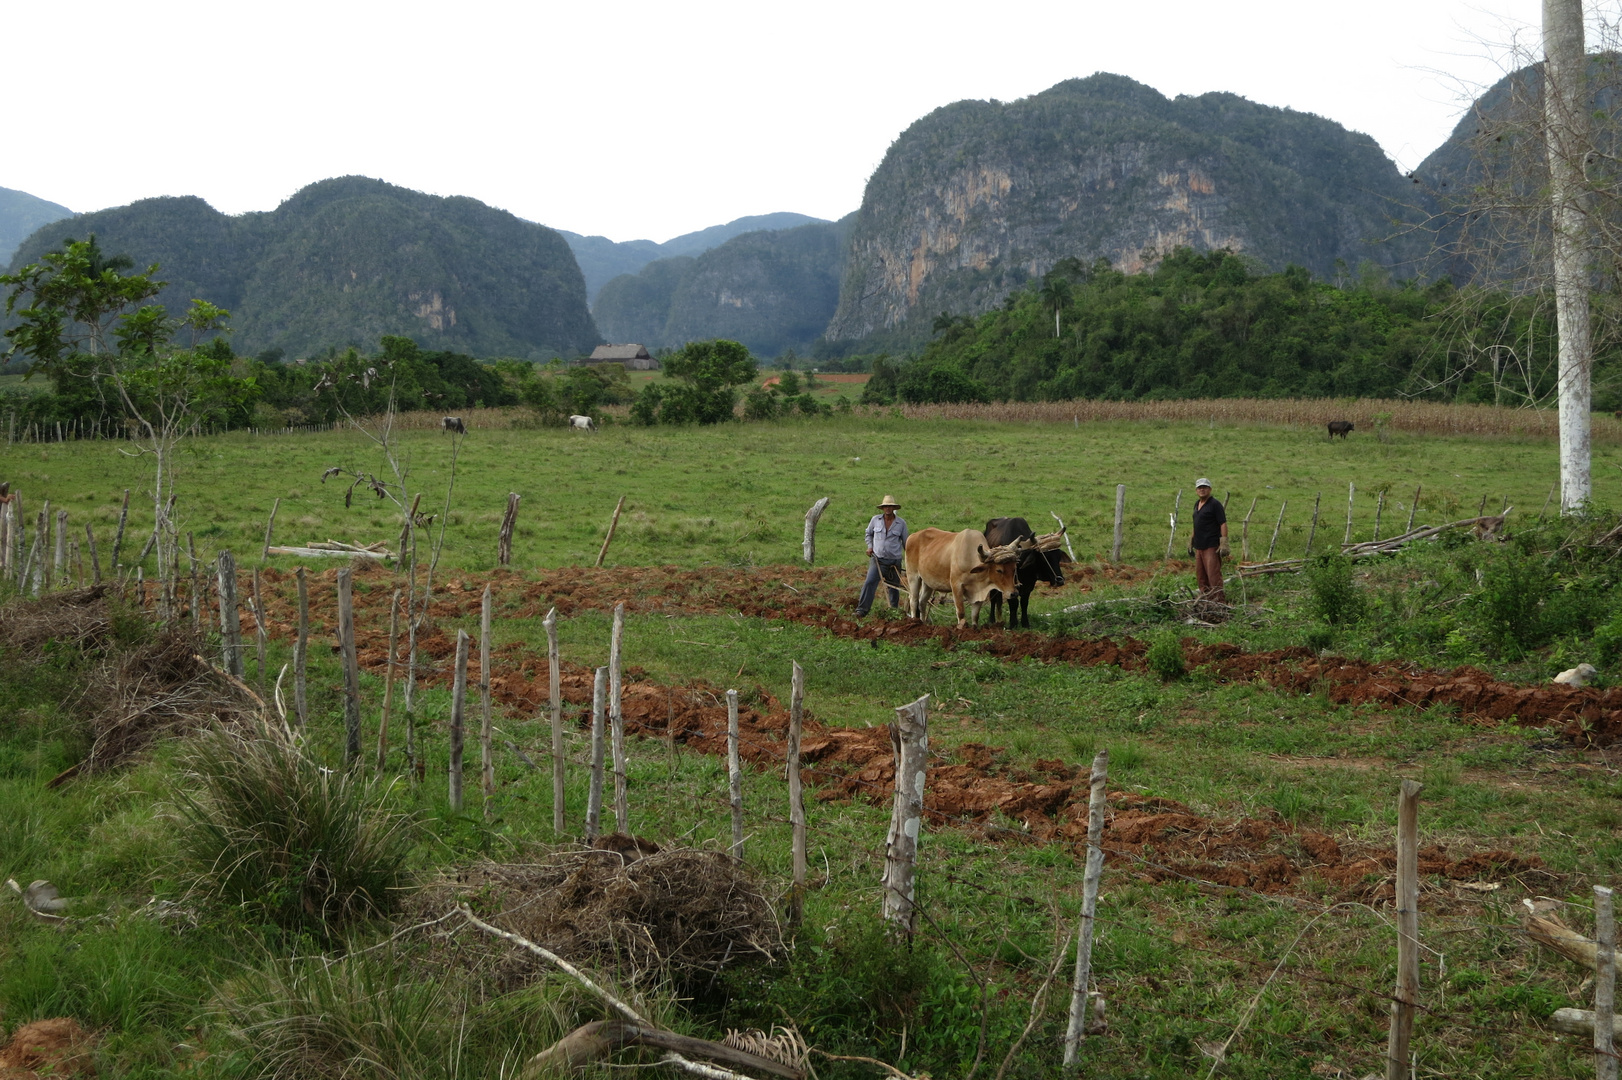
{"x":1565,"y":123}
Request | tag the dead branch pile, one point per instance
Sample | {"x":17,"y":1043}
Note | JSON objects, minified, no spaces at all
{"x":1486,"y":528}
{"x":680,"y":912}
{"x":133,"y":685}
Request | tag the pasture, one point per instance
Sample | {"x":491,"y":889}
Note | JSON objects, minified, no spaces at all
{"x":1244,"y":932}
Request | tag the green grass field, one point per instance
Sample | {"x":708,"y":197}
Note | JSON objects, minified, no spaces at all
{"x":1187,"y":966}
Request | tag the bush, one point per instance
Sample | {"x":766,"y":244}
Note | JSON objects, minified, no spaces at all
{"x":298,"y":846}
{"x":1508,"y":609}
{"x":1335,"y":597}
{"x":1165,"y":656}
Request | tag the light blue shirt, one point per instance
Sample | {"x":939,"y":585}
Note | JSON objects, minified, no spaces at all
{"x":887,"y":544}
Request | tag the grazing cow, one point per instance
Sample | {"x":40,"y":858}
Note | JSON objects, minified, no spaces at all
{"x":1043,"y":561}
{"x":1339,"y":427}
{"x":584,"y":423}
{"x":454,"y":423}
{"x":961,"y":564}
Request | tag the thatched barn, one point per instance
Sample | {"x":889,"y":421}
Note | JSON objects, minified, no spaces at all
{"x":634,"y":357}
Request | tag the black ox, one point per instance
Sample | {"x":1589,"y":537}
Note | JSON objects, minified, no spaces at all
{"x":1034,"y":566}
{"x":1340,"y":427}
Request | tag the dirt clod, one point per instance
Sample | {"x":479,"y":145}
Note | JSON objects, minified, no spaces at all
{"x":55,"y":1047}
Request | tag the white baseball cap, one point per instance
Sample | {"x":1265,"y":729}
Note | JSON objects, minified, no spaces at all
{"x":1202,"y":482}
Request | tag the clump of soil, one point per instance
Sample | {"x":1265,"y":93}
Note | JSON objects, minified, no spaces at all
{"x":627,"y":907}
{"x":56,"y":1047}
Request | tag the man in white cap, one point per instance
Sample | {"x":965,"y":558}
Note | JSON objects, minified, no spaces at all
{"x":1209,"y":543}
{"x":886,"y":548}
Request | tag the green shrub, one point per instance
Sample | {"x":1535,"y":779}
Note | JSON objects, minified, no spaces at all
{"x":301,"y":847}
{"x":1165,"y":656}
{"x":1335,"y":597}
{"x":1508,"y":608}
{"x":1318,"y":638}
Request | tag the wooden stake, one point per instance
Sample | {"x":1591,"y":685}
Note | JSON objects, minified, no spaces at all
{"x":616,"y":721}
{"x":1244,"y":532}
{"x":1605,"y":1060}
{"x":1415,"y":507}
{"x":301,"y":651}
{"x":1312,"y":532}
{"x":388,"y":683}
{"x":346,"y":644}
{"x":1546,"y":503}
{"x":230,"y":617}
{"x":458,"y":728}
{"x":612,"y":525}
{"x":260,"y":637}
{"x":60,"y":563}
{"x":555,"y":699}
{"x":1351,"y":492}
{"x":118,"y":537}
{"x":1407,"y":900}
{"x":734,"y":775}
{"x":909,"y":741}
{"x":1120,"y":522}
{"x":197,"y":603}
{"x":1276,"y":526}
{"x":1379,"y":508}
{"x":487,"y":760}
{"x":808,"y":545}
{"x":594,"y":795}
{"x":1076,"y":1031}
{"x":77,"y":562}
{"x":270,"y":525}
{"x":95,"y":556}
{"x":1175,"y":507}
{"x":796,"y":795}
{"x":504,"y":543}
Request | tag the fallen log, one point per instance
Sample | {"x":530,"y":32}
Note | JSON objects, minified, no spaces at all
{"x":595,"y":1041}
{"x":1575,"y":1022}
{"x":1551,"y":933}
{"x":330,"y":553}
{"x":1487,"y":526}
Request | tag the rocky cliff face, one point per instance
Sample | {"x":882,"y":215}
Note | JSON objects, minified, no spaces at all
{"x":979,"y":197}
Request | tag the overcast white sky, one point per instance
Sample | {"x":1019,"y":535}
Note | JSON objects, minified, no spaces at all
{"x":649,"y":120}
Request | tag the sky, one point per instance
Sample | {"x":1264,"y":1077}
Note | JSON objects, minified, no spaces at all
{"x":648,"y":120}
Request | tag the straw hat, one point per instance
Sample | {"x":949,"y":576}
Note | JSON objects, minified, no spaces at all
{"x":889,"y":503}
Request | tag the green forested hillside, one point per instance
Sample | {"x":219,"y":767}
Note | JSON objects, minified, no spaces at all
{"x":770,"y":290}
{"x":22,"y":213}
{"x":346,"y":261}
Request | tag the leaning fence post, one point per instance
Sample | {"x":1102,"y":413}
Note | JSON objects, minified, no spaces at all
{"x":734,"y":775}
{"x":1313,"y":531}
{"x":458,"y":726}
{"x":594,"y":795}
{"x":487,"y":761}
{"x":388,"y":683}
{"x":504,"y":543}
{"x":95,"y":556}
{"x":909,"y":741}
{"x":1120,"y":522}
{"x":230,"y":617}
{"x":616,"y":721}
{"x":1351,"y":491}
{"x":270,"y":524}
{"x":1605,"y":1060}
{"x":1076,"y":1031}
{"x":1276,"y":526}
{"x":1415,"y":507}
{"x":1407,"y":900}
{"x":301,"y":650}
{"x":346,"y":642}
{"x":1244,"y":531}
{"x":612,"y":525}
{"x":808,"y":546}
{"x":1175,"y":507}
{"x":555,"y":699}
{"x":796,"y":795}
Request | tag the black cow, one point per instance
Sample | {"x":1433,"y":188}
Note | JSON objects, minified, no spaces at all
{"x":1034,"y":566}
{"x":1339,"y":427}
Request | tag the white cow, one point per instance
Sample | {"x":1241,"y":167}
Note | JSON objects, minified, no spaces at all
{"x":1581,"y":675}
{"x":584,"y":423}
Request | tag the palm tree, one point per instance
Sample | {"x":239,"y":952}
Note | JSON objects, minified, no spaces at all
{"x":1056,"y":292}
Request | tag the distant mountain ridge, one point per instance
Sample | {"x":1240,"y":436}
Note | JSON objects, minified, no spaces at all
{"x":22,"y":213}
{"x":351,"y":259}
{"x":601,"y":259}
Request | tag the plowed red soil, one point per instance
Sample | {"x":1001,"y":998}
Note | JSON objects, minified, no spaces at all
{"x":57,"y":1047}
{"x":975,"y":787}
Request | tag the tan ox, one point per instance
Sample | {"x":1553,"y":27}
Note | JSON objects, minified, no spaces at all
{"x":959,"y":563}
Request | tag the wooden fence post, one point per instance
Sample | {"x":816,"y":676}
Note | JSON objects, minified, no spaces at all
{"x":734,"y":775}
{"x":1313,"y":531}
{"x":1076,"y":1031}
{"x":346,"y":642}
{"x":42,"y":536}
{"x":1120,"y":522}
{"x":60,"y":563}
{"x":261,"y":639}
{"x":616,"y":721}
{"x":487,"y":761}
{"x":1605,"y":1060}
{"x":458,"y":715}
{"x":1547,"y":500}
{"x":1244,"y":531}
{"x":1351,"y":492}
{"x":504,"y":543}
{"x":594,"y":795}
{"x":196,"y":586}
{"x":1172,"y":539}
{"x":95,"y":556}
{"x":796,"y":795}
{"x":555,"y":699}
{"x":118,"y":537}
{"x":230,"y":617}
{"x":1276,"y":526}
{"x":612,"y":525}
{"x":270,"y":524}
{"x":388,"y":683}
{"x":1379,"y":509}
{"x":1414,"y":506}
{"x":909,"y":740}
{"x":808,"y":546}
{"x":1407,"y":900}
{"x":301,"y":650}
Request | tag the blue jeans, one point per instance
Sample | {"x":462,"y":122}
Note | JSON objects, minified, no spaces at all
{"x":870,"y":587}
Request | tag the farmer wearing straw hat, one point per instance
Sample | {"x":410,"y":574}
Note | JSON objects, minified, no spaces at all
{"x":886,"y":547}
{"x":1209,"y":544}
